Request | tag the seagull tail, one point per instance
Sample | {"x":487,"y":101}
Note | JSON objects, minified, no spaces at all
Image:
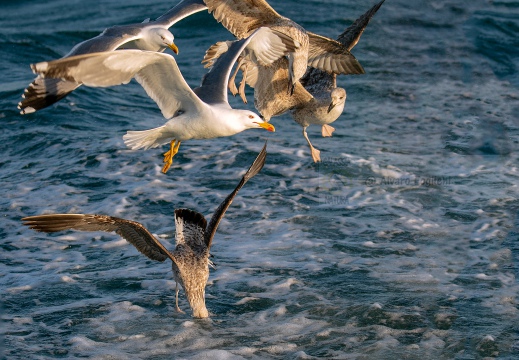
{"x":146,"y":139}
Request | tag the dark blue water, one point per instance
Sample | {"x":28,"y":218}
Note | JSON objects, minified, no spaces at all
{"x":401,"y":244}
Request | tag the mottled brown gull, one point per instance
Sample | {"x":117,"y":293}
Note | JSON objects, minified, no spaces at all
{"x":201,"y":113}
{"x":316,"y":98}
{"x":242,"y":17}
{"x":190,"y":259}
{"x":149,"y":35}
{"x":327,"y":100}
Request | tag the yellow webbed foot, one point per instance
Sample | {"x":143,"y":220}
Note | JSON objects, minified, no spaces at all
{"x":168,"y":156}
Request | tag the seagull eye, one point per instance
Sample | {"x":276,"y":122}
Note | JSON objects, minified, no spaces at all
{"x":251,"y":116}
{"x":163,"y":38}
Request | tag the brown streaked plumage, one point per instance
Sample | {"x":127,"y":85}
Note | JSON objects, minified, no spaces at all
{"x":190,"y":259}
{"x":242,"y":17}
{"x":315,"y":100}
{"x":328,"y":100}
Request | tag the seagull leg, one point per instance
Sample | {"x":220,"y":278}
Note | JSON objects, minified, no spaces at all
{"x":327,"y":130}
{"x":242,"y":85}
{"x":177,"y":309}
{"x":168,"y":156}
{"x":232,"y":79}
{"x":315,"y":153}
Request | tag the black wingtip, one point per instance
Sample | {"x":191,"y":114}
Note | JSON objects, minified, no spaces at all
{"x":192,"y":217}
{"x":352,"y":34}
{"x":257,"y":165}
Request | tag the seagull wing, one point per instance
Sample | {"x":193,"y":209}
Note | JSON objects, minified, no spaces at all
{"x":110,"y":39}
{"x":133,"y":232}
{"x":255,"y":168}
{"x":268,"y":45}
{"x":331,"y":56}
{"x":214,"y":52}
{"x":265,"y":47}
{"x":182,"y":10}
{"x":350,"y":37}
{"x":241,"y":17}
{"x":158,"y":74}
{"x":44,"y":92}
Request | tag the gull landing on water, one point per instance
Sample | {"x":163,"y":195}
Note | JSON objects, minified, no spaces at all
{"x":190,"y":259}
{"x":201,"y":113}
{"x":149,"y":35}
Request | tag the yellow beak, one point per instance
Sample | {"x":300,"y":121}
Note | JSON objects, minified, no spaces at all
{"x":267,"y":126}
{"x":173,"y":47}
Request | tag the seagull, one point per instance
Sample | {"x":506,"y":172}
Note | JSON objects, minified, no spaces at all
{"x":149,"y":35}
{"x":242,"y":17}
{"x":190,"y":259}
{"x":316,"y":99}
{"x":323,"y":102}
{"x":201,"y":113}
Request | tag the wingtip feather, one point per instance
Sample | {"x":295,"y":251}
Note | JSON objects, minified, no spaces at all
{"x":258,"y":163}
{"x":191,"y":216}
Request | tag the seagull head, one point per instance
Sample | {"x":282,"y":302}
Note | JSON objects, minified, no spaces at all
{"x":196,"y":300}
{"x":338,"y":97}
{"x":254,"y":121}
{"x":164,"y":39}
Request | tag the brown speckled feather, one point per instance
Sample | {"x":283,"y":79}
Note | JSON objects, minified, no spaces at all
{"x":242,"y":17}
{"x":131,"y":231}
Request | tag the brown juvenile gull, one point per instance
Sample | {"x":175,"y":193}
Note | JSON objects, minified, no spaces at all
{"x":315,"y":100}
{"x":190,"y":259}
{"x":326,"y":99}
{"x":242,"y":17}
{"x":149,"y":35}
{"x":201,"y":113}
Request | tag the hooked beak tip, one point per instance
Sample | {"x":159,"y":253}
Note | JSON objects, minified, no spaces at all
{"x":267,"y":126}
{"x":173,"y":47}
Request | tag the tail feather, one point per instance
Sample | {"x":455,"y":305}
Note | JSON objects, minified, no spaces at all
{"x":146,"y":139}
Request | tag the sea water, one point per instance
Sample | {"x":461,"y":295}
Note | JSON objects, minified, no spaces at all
{"x":401,"y":244}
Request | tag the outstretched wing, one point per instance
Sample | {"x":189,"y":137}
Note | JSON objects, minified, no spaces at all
{"x":255,"y":168}
{"x":44,"y":92}
{"x":182,"y":10}
{"x":158,"y":74}
{"x":351,"y":36}
{"x":110,"y":39}
{"x":331,"y":56}
{"x":133,"y":232}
